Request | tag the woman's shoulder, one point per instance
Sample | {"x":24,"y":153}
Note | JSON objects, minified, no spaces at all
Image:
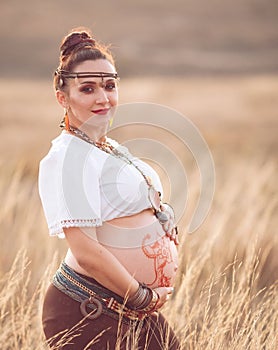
{"x":71,"y":151}
{"x":61,"y":145}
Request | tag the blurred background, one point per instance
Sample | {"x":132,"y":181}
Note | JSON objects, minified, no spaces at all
{"x":216,"y":62}
{"x":148,"y":37}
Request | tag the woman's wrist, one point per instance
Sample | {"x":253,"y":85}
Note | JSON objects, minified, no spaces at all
{"x":145,"y":299}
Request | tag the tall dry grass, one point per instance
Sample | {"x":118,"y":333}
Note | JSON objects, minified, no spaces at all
{"x":226,"y":290}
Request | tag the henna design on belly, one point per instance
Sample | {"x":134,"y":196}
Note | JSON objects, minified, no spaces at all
{"x":160,"y":252}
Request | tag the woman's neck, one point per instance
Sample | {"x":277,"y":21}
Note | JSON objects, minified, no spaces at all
{"x":96,"y":134}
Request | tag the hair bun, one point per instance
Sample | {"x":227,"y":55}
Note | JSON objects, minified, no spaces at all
{"x":76,"y":40}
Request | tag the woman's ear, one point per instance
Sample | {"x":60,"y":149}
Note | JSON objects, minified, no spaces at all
{"x":62,"y":98}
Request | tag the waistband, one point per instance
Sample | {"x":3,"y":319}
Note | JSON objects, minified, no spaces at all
{"x":92,"y":295}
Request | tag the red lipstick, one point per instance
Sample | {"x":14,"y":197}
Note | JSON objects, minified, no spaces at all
{"x":102,"y":111}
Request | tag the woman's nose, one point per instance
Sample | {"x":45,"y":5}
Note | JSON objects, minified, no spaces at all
{"x":102,"y":96}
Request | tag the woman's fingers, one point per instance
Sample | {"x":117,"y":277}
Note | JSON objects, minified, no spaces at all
{"x":169,"y":226}
{"x":174,"y":235}
{"x":176,"y":240}
{"x":164,"y":295}
{"x":171,"y":231}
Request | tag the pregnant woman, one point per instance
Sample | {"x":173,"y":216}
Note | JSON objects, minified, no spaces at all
{"x":122,"y":258}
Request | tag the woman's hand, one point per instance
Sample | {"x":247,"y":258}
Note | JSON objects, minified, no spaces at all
{"x":164,"y":295}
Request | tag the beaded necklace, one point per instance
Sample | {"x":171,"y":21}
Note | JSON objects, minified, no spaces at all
{"x":153,"y":194}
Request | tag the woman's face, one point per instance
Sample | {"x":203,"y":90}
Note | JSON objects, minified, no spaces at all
{"x":91,"y":98}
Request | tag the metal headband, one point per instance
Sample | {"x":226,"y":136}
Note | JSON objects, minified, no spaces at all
{"x":73,"y":75}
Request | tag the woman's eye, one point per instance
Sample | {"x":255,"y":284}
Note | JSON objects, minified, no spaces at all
{"x":87,"y":89}
{"x":110,"y":86}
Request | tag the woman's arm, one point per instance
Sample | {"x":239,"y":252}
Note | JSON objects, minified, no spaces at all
{"x":99,"y":263}
{"x":103,"y":266}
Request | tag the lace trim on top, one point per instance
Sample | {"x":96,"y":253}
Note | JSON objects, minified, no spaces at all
{"x":57,"y":229}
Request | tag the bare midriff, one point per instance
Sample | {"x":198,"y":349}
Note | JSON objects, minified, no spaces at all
{"x":142,"y":247}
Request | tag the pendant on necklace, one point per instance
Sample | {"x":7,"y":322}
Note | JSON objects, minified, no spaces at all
{"x":161,"y":216}
{"x":154,"y":198}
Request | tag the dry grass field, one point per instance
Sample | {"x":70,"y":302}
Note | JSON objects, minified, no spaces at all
{"x":226,"y":291}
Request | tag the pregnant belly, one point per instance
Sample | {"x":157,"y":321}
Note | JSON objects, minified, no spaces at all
{"x":146,"y":252}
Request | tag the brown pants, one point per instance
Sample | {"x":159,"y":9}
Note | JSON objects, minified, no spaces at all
{"x":65,"y":328}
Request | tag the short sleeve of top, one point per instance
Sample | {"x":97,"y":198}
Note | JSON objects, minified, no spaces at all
{"x":69,"y":186}
{"x":83,"y":186}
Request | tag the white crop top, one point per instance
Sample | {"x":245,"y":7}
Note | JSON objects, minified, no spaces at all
{"x":83,"y":186}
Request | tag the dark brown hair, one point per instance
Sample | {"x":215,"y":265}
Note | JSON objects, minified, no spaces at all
{"x":76,"y":47}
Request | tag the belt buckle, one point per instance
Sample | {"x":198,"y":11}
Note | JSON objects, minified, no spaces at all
{"x":93,"y":314}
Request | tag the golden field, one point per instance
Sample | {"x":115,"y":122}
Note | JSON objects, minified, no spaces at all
{"x":226,"y":290}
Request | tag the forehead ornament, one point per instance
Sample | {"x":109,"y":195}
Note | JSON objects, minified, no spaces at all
{"x":63,"y":74}
{"x":73,"y":75}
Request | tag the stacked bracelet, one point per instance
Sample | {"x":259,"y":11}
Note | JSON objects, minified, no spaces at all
{"x":151,"y":306}
{"x":145,"y":299}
